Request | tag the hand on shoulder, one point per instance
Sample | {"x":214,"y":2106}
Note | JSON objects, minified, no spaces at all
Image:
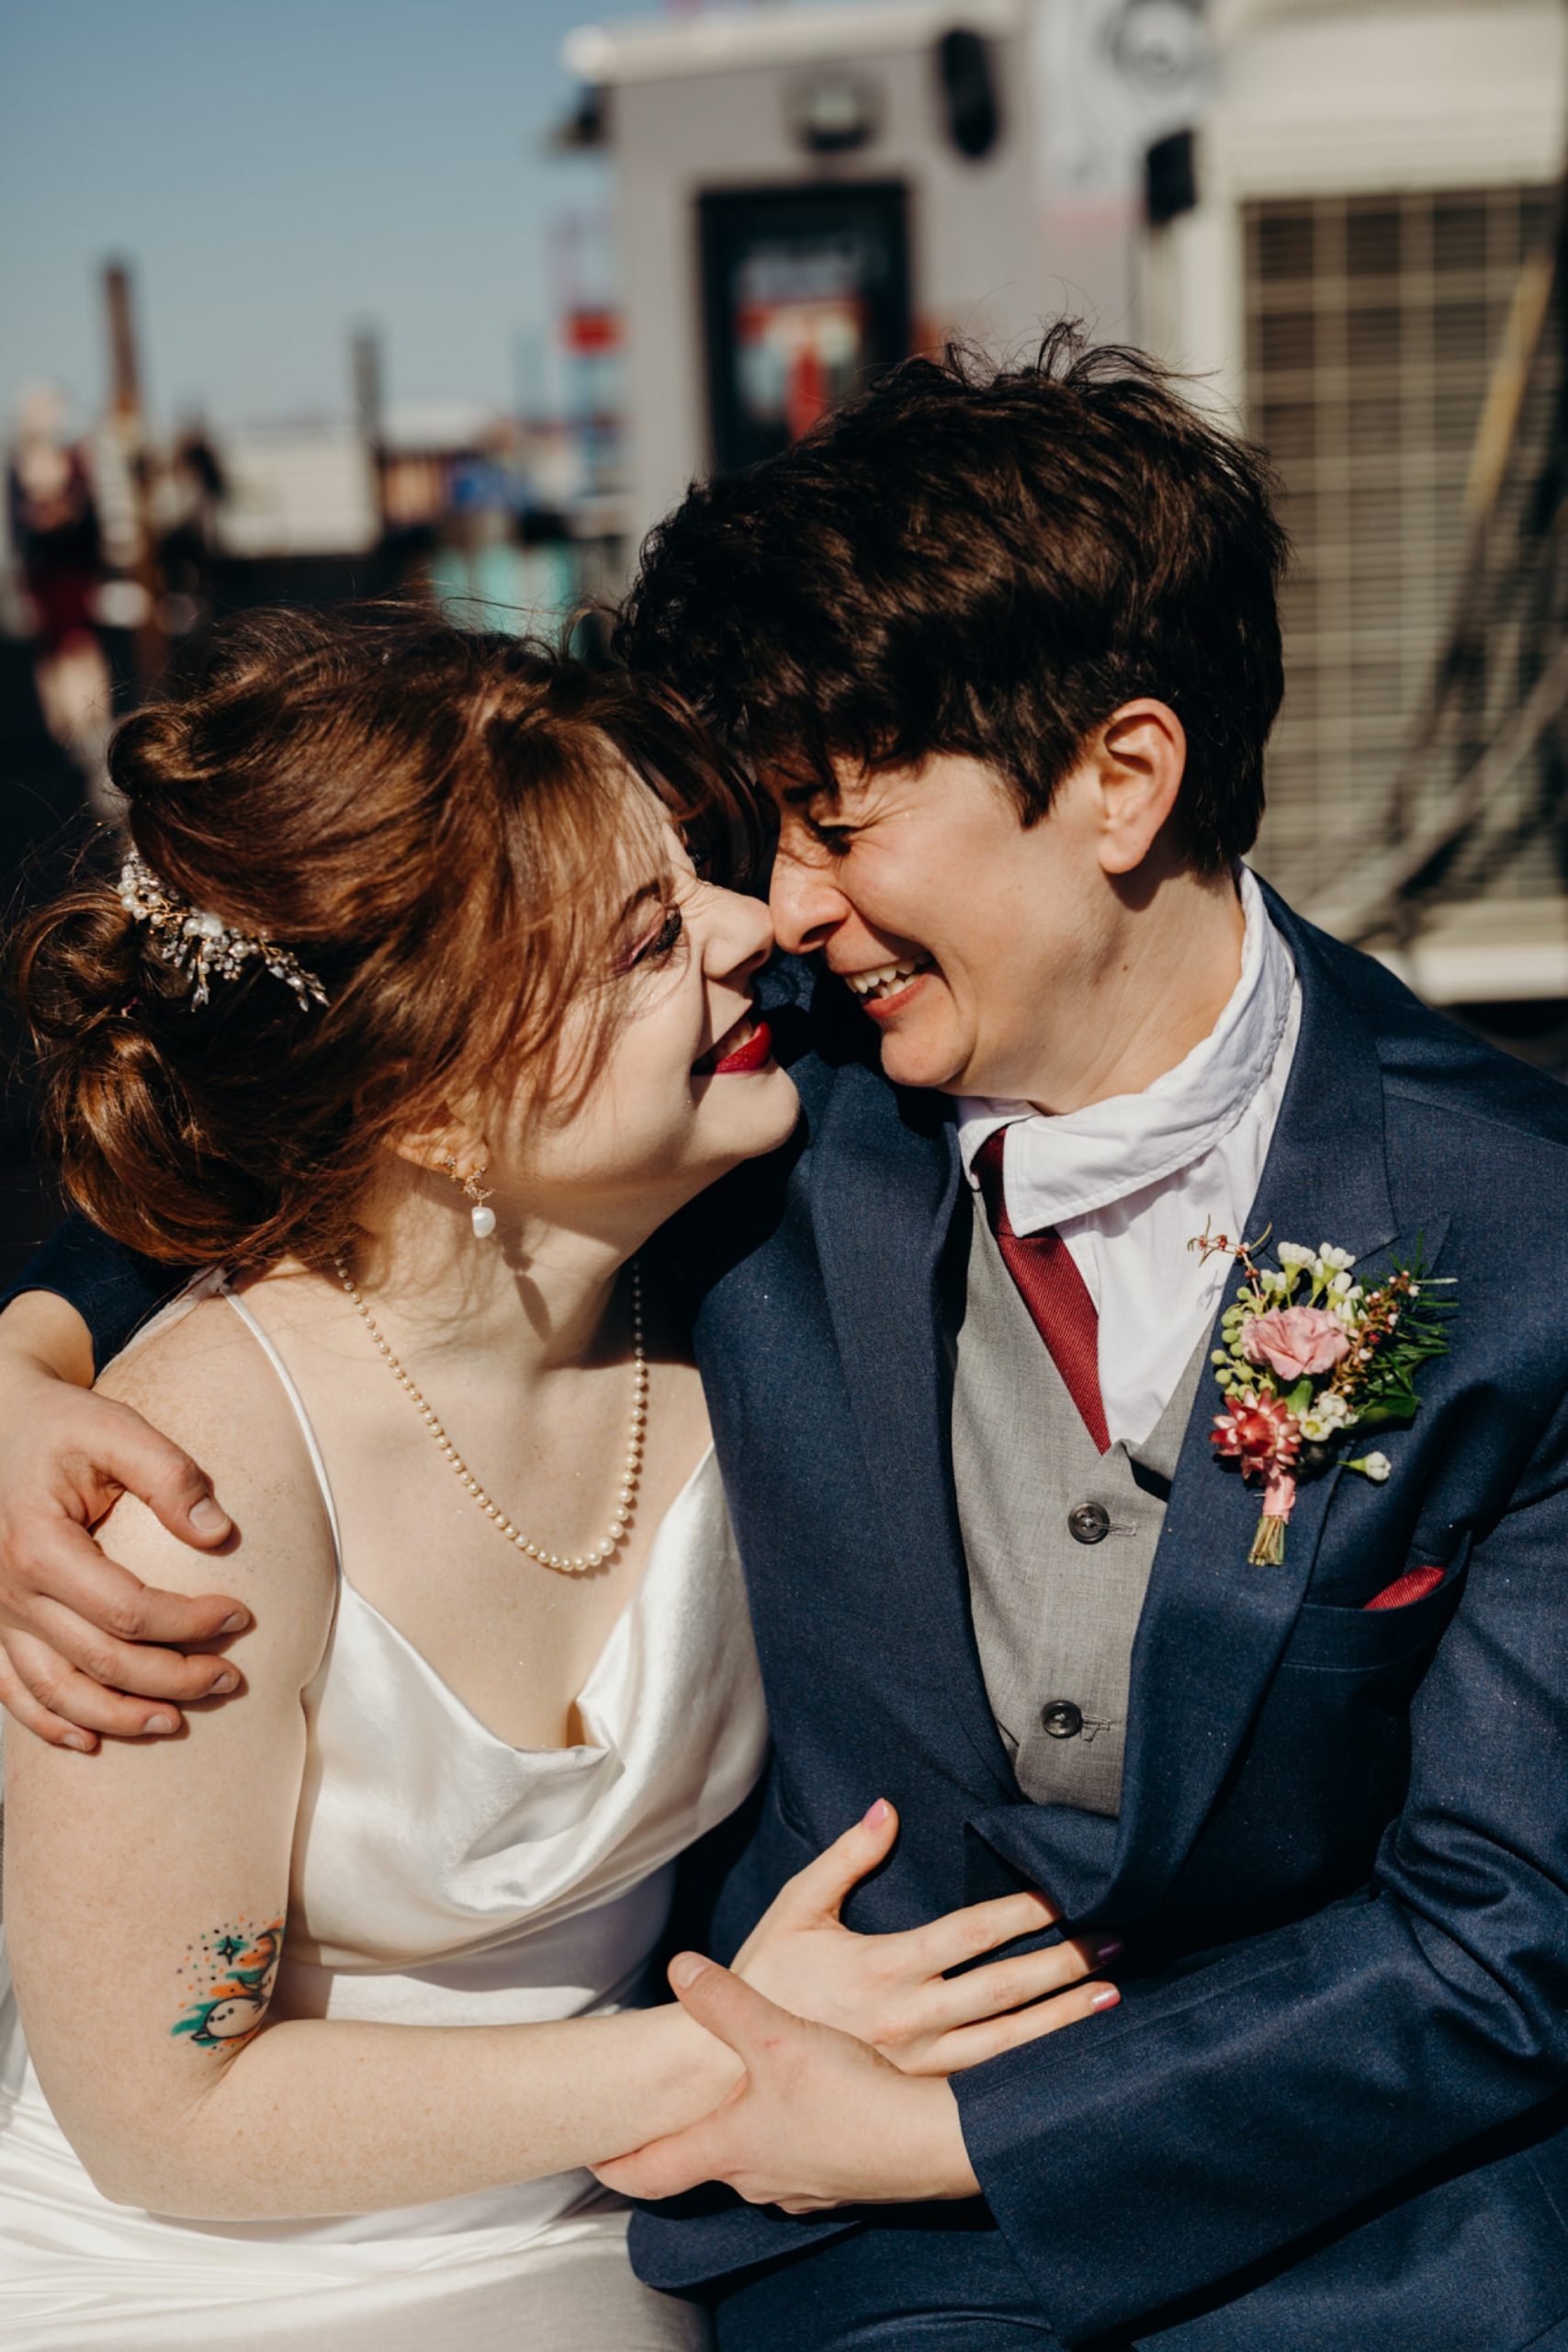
{"x":70,"y":1621}
{"x":207,"y":1385}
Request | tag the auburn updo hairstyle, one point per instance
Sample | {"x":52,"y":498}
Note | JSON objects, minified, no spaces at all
{"x":438,"y":823}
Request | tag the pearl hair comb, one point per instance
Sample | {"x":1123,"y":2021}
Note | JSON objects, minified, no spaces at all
{"x":202,"y":944}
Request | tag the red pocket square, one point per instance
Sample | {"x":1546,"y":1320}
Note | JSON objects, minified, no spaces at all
{"x":1413,"y":1585}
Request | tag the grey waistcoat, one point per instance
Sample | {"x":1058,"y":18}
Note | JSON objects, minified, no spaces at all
{"x":1054,"y":1615}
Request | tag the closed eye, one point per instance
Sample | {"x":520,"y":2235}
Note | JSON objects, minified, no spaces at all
{"x":834,"y":838}
{"x":661,"y":943}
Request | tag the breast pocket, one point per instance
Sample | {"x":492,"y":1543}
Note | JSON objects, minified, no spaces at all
{"x":1328,"y":1761}
{"x":1336,"y":1637}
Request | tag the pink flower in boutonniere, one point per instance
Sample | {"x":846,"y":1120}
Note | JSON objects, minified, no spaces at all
{"x":1298,"y":1342}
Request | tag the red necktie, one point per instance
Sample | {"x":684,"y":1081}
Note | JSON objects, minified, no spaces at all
{"x":1054,"y":1291}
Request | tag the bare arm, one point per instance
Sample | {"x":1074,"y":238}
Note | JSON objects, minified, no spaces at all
{"x":43,"y":1325}
{"x":78,"y":1633}
{"x":145,"y":1905}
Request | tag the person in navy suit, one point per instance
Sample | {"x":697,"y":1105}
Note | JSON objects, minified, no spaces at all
{"x":1288,"y":1712}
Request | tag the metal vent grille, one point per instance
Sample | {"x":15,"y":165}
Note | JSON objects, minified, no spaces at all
{"x":1372,"y":323}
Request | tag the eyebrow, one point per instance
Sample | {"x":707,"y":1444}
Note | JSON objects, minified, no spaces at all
{"x":639,"y":898}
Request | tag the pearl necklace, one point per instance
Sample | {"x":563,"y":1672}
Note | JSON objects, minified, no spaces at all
{"x":631,"y":1468}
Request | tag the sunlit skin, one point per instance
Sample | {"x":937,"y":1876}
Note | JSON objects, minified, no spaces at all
{"x":1067,"y":961}
{"x":578,"y":1184}
{"x":660,"y":1120}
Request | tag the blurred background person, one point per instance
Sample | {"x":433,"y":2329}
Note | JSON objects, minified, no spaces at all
{"x":188,"y":514}
{"x":55,"y":530}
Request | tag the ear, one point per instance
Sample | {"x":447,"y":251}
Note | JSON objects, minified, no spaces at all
{"x":1140,"y":756}
{"x":451,"y":1139}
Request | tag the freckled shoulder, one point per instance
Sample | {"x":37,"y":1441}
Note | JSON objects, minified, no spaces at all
{"x":205,"y":1384}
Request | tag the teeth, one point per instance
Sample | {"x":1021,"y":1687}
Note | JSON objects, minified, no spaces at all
{"x":874,"y":983}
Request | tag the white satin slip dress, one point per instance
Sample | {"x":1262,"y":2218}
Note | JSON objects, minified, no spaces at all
{"x":439,"y":1877}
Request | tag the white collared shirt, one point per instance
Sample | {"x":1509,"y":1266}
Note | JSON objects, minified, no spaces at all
{"x":1129,"y":1181}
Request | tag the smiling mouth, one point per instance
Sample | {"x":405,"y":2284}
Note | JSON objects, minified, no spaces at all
{"x":886,"y":980}
{"x":749,"y":1045}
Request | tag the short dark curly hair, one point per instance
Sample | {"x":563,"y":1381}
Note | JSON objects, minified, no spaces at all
{"x":988,"y":561}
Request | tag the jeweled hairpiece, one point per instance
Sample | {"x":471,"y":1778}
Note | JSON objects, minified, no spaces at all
{"x":201,"y":944}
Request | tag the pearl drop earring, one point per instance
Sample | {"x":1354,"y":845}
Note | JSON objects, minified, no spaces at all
{"x":483,"y":1217}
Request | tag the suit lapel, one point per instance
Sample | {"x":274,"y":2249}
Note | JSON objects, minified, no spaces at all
{"x":885,"y":1181}
{"x":1213,"y":1628}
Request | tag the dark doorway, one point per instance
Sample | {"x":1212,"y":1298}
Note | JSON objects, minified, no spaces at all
{"x":805,"y":291}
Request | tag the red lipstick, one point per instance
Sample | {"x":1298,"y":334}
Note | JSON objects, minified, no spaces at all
{"x":754,"y":1054}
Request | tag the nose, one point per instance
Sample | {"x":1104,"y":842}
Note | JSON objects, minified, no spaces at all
{"x":807,"y":904}
{"x":739,"y":936}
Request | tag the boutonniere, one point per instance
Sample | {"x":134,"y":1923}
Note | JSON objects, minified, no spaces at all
{"x":1309,"y":1354}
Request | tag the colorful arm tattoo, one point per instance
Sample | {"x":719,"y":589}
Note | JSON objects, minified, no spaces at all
{"x":229,"y":1975}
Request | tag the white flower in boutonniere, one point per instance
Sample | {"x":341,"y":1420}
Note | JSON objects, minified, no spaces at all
{"x":1309,"y":1353}
{"x":1323,"y":1416}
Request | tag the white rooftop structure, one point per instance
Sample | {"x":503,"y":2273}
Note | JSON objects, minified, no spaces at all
{"x":731,"y":40}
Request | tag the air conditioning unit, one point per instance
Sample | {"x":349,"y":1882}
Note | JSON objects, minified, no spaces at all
{"x":1372,"y":183}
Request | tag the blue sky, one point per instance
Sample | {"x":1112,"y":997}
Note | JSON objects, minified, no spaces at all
{"x":276,"y":171}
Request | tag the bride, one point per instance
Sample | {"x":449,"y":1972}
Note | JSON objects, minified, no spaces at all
{"x":413,"y":1019}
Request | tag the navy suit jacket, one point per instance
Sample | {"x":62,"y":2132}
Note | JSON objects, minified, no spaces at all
{"x":1331,"y":2111}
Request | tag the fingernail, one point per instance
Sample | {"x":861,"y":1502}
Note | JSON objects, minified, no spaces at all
{"x":227,"y":1682}
{"x":1108,"y":1948}
{"x":878,"y":1813}
{"x":207,"y":1518}
{"x":1106,"y":1998}
{"x":159,"y":1723}
{"x":685,"y":1969}
{"x":83,"y":1746}
{"x":236,"y":1622}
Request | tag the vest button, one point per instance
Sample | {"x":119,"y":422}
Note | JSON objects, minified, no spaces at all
{"x":1090,"y":1523}
{"x":1061,"y":1719}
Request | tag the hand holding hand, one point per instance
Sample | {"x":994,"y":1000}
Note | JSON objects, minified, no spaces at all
{"x":817,"y":2121}
{"x":70,"y":1621}
{"x":892,"y":1991}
